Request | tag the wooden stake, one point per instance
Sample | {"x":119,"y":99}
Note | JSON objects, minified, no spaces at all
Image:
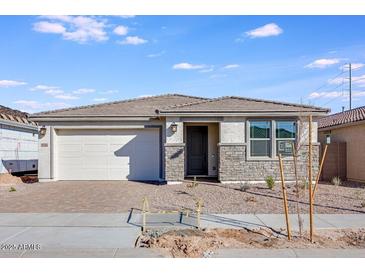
{"x":320,"y":170}
{"x":310,"y":178}
{"x":198,"y":211}
{"x":284,"y":197}
{"x":145,"y":209}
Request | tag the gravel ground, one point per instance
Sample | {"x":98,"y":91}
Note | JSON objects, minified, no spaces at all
{"x":121,"y":196}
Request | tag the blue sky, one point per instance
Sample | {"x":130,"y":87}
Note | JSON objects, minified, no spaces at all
{"x":50,"y":62}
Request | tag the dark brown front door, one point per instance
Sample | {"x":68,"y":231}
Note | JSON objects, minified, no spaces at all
{"x":197,"y":150}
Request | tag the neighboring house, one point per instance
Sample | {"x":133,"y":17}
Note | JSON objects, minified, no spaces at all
{"x":170,"y":137}
{"x":346,"y":157}
{"x":18,"y":142}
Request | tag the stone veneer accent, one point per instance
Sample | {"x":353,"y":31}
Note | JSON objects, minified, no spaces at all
{"x":234,"y":165}
{"x":174,"y":162}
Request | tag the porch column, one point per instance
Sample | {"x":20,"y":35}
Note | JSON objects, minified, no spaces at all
{"x":174,"y":151}
{"x":45,"y":155}
{"x":232,"y":150}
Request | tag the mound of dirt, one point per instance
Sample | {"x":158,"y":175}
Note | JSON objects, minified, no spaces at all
{"x":195,"y":243}
{"x":8,"y":179}
{"x":29,"y":179}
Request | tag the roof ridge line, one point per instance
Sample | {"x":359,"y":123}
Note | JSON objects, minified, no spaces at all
{"x":202,"y":100}
{"x":113,"y":102}
{"x":276,"y":102}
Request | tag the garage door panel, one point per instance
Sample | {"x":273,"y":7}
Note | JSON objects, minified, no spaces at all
{"x":70,"y":161}
{"x":108,"y":154}
{"x":117,"y":162}
{"x":95,"y":147}
{"x":70,"y":148}
{"x":95,"y":163}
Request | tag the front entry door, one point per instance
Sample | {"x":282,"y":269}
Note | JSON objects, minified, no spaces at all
{"x":197,"y":150}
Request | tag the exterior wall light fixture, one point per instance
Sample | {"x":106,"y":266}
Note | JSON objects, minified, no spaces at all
{"x":173,"y":127}
{"x":42,"y":131}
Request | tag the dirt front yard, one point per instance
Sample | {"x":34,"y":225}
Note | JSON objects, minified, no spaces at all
{"x":121,"y":196}
{"x":195,"y":243}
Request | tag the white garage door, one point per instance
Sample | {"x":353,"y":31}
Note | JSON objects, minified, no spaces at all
{"x":107,"y":154}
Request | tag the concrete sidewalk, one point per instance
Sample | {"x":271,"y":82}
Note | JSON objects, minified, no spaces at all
{"x":289,"y":253}
{"x":104,"y":235}
{"x":276,"y":221}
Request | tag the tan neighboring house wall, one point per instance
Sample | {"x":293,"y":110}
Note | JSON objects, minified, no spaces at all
{"x":354,"y":137}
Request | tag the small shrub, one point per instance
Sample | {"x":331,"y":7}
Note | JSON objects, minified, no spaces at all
{"x":245,"y":187}
{"x":270,"y":182}
{"x":336,"y":181}
{"x":12,"y":189}
{"x":362,"y":204}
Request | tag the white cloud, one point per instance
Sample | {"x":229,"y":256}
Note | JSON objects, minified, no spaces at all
{"x":267,"y":30}
{"x":354,"y":66}
{"x":100,"y":99}
{"x":111,"y":91}
{"x":334,"y":94}
{"x":188,"y":66}
{"x":325,"y":94}
{"x":83,"y":91}
{"x":65,"y":96}
{"x":58,"y":93}
{"x":231,"y":66}
{"x":43,"y":87}
{"x":121,"y":30}
{"x":11,"y":83}
{"x":34,"y":105}
{"x":127,"y":16}
{"x":54,"y":92}
{"x":323,"y":63}
{"x":154,"y":55}
{"x":145,"y":95}
{"x":80,"y":29}
{"x":133,"y":40}
{"x":50,"y":90}
{"x":48,"y":27}
{"x":356,"y":80}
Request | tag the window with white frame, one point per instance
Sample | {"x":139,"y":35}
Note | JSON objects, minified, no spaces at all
{"x":260,"y":138}
{"x":285,"y":137}
{"x":269,"y":138}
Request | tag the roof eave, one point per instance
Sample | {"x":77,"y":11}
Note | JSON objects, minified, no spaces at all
{"x":66,"y":118}
{"x":243,"y":113}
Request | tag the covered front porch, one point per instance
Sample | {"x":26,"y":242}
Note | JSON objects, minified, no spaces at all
{"x":194,"y":146}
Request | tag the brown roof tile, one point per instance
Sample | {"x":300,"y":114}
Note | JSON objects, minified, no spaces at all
{"x":343,"y":118}
{"x":144,"y":106}
{"x":239,"y":104}
{"x":14,"y":115}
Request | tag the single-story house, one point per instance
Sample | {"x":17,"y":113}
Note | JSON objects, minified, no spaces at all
{"x":171,"y":137}
{"x":18,"y":142}
{"x":346,"y":157}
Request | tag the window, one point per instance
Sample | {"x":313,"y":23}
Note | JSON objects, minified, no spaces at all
{"x":269,"y":138}
{"x":260,"y":138}
{"x":285,"y":137}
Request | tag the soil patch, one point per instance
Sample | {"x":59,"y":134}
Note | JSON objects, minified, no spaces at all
{"x":195,"y":243}
{"x":7,"y":179}
{"x":29,"y":179}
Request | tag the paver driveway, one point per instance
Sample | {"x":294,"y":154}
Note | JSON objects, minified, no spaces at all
{"x":121,"y":196}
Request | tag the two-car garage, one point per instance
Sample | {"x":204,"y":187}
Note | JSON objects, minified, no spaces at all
{"x":107,"y":154}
